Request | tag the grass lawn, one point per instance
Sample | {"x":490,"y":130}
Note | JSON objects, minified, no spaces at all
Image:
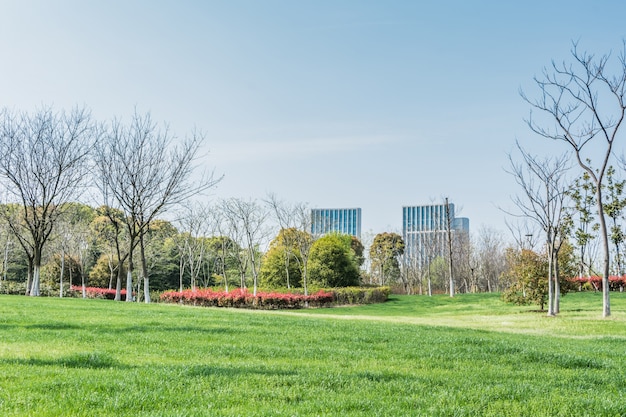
{"x":413,"y":356}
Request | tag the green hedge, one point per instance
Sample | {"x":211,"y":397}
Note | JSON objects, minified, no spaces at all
{"x":360,"y":295}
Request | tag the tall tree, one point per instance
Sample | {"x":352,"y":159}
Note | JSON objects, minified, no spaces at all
{"x":194,"y":224}
{"x":490,"y":262}
{"x":144,"y":172}
{"x":385,"y":252}
{"x":449,"y":244}
{"x":614,"y":207}
{"x":544,"y":192}
{"x":583,"y":194}
{"x":586,"y":104}
{"x":275,"y":271}
{"x":43,"y":162}
{"x":246,"y":221}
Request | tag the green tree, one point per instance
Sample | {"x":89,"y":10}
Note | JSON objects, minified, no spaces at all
{"x":220,"y":254}
{"x":613,"y":209}
{"x":100,"y":274}
{"x":281,"y":263}
{"x":528,"y":272}
{"x":275,"y":273}
{"x":384,"y":253}
{"x":332,"y":262}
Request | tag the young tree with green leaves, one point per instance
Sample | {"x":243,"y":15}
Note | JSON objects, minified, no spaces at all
{"x":614,"y":207}
{"x":332,"y":262}
{"x":385,"y":252}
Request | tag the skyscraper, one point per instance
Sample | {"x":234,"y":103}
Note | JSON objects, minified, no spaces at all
{"x":346,"y":220}
{"x":425,"y":231}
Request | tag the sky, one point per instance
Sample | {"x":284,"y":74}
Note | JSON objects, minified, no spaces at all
{"x":334,"y":103}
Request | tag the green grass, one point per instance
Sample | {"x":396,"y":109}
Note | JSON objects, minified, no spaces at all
{"x":468,"y":356}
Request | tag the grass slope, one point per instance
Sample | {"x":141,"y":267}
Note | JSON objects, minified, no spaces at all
{"x":413,"y":356}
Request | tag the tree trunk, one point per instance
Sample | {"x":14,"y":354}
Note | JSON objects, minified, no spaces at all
{"x":557,"y":286}
{"x":118,"y":283}
{"x":550,"y":276}
{"x":144,"y":269}
{"x":62,"y":272}
{"x":606,"y":302}
{"x":129,"y":280}
{"x":35,"y":285}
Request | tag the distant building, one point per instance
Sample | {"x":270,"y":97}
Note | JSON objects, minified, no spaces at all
{"x":425,"y":231}
{"x":342,"y":220}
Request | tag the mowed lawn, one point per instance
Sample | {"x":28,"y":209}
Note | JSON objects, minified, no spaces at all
{"x":412,"y":356}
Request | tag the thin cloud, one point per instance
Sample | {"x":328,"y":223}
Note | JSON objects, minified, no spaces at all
{"x":274,"y":150}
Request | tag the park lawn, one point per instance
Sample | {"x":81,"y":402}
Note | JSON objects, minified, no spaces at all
{"x":411,"y":356}
{"x":580,"y":316}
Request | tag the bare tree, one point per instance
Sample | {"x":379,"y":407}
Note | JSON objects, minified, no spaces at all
{"x":586,"y":105}
{"x":194,"y":225}
{"x":43,"y":163}
{"x":544,"y":194}
{"x":490,"y":262}
{"x":246,"y":223}
{"x":146,"y":173}
{"x":449,"y":244}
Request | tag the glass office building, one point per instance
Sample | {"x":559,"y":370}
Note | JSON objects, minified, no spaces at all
{"x":346,"y":221}
{"x":425,"y":231}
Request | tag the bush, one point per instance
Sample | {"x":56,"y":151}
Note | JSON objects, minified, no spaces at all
{"x":94,"y":292}
{"x":242,"y":298}
{"x":616,"y":283}
{"x":360,"y":295}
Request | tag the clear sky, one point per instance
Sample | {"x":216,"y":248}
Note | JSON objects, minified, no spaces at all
{"x":336,"y":103}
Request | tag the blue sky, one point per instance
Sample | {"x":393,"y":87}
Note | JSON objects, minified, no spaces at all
{"x":343,"y":103}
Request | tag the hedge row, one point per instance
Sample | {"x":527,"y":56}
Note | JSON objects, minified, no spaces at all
{"x":242,"y":298}
{"x":95,"y":292}
{"x":616,"y":282}
{"x":358,"y":295}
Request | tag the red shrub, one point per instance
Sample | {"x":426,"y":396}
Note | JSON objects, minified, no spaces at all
{"x":241,"y":297}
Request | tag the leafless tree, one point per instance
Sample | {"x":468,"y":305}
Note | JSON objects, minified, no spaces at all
{"x":43,"y":163}
{"x":194,"y":225}
{"x":449,"y":244}
{"x":586,"y":104}
{"x":143,"y":172}
{"x":246,"y":221}
{"x":490,"y":262}
{"x":545,"y":189}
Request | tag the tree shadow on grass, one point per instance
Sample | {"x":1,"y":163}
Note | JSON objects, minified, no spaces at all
{"x":173,"y":329}
{"x":87,"y":360}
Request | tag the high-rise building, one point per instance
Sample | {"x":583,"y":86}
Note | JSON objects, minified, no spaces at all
{"x":425,"y":231}
{"x":346,"y":220}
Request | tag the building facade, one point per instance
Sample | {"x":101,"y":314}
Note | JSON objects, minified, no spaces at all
{"x":341,"y":220}
{"x":425,"y":232}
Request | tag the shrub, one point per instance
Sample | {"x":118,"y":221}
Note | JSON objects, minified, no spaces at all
{"x":360,"y":295}
{"x":242,"y":298}
{"x":94,"y":292}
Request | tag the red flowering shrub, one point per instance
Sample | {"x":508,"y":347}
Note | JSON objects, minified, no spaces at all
{"x":242,"y":298}
{"x":95,"y":292}
{"x":616,"y":283}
